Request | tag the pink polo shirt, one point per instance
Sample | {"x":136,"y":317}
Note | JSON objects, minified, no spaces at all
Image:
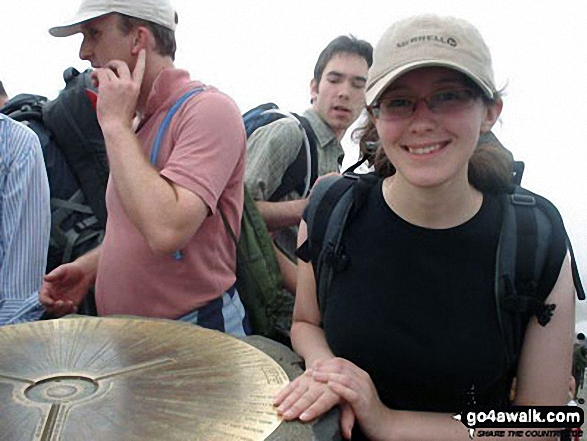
{"x":203,"y":151}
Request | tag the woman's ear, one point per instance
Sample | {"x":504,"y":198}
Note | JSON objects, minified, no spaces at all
{"x":370,"y":114}
{"x":491,"y":115}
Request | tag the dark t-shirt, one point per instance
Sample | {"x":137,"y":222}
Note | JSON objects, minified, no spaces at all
{"x":416,"y":308}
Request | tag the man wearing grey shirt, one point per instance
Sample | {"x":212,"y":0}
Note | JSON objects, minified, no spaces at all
{"x":337,"y":98}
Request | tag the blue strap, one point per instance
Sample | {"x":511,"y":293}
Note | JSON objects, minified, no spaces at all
{"x":163,"y":128}
{"x":167,"y":120}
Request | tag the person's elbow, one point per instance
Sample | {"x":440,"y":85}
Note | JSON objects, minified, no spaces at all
{"x":172,"y":230}
{"x":168,"y":239}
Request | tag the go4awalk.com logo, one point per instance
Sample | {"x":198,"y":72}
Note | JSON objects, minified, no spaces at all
{"x":522,"y":421}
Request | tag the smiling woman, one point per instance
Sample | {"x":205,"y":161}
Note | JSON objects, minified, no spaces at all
{"x":413,"y":279}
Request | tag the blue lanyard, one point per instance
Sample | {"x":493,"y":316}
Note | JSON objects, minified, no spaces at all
{"x":163,"y":128}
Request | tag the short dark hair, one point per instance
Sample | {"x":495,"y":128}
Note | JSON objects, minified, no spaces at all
{"x":343,"y":44}
{"x":164,"y":37}
{"x":2,"y":90}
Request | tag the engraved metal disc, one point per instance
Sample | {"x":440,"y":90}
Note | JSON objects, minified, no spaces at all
{"x":133,"y":379}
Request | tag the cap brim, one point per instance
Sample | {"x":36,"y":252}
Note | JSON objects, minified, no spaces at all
{"x":373,"y":93}
{"x":72,"y":26}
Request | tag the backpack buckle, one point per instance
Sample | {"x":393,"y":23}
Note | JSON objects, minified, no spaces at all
{"x":523,"y":199}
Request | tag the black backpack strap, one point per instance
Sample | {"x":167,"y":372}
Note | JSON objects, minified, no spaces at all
{"x":68,"y":238}
{"x":575,"y":270}
{"x":357,"y":164}
{"x":303,"y":171}
{"x":527,"y":231}
{"x":330,"y":199}
{"x":332,"y":203}
{"x":312,"y":143}
{"x":515,"y":269}
{"x":24,"y":106}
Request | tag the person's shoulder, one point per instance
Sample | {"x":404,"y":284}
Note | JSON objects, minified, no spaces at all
{"x":523,"y":196}
{"x":210,"y":106}
{"x":213,"y":97}
{"x":285,"y":130}
{"x":17,"y":137}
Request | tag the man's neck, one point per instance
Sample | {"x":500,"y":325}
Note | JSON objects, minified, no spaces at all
{"x":155,"y":65}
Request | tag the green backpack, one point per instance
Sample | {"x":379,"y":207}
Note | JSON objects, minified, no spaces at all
{"x":258,"y":277}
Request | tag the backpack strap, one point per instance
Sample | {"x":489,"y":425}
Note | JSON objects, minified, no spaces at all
{"x":24,"y":106}
{"x":161,"y":132}
{"x":258,"y":117}
{"x":357,"y":164}
{"x":320,"y":220}
{"x":526,"y":234}
{"x":165,"y":124}
{"x":333,"y":202}
{"x":303,"y":171}
{"x":87,"y":229}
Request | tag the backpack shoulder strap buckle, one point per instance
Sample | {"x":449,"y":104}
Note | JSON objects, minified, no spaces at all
{"x":523,"y":199}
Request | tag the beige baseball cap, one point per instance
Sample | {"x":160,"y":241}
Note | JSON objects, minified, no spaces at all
{"x":157,"y":11}
{"x":430,"y":40}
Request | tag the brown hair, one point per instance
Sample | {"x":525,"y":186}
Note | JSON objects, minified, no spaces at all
{"x":490,"y":168}
{"x":164,"y":37}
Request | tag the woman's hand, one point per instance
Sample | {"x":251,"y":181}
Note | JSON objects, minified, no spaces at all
{"x":305,"y":398}
{"x":355,"y":387}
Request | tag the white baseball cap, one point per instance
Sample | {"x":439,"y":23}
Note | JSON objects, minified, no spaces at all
{"x":157,"y":11}
{"x":430,"y":40}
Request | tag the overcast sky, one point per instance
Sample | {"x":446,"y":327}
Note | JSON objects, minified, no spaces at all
{"x":265,"y":50}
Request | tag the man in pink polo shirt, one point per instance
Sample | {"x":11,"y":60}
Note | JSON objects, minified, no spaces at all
{"x":166,"y":252}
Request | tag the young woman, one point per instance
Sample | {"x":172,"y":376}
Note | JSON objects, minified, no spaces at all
{"x":411,"y":334}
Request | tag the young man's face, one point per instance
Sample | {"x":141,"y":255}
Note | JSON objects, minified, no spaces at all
{"x":104,"y":41}
{"x":339,"y":98}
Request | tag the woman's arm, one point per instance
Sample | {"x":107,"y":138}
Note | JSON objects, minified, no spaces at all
{"x":546,"y":358}
{"x":305,"y":396}
{"x":307,"y":336}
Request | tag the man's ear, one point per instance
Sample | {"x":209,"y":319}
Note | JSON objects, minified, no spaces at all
{"x":142,"y":39}
{"x":491,"y":115}
{"x":313,"y":90}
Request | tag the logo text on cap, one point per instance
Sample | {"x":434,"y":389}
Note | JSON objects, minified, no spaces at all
{"x":423,"y":38}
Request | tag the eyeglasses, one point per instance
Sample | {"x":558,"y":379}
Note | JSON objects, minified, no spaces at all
{"x":441,"y":102}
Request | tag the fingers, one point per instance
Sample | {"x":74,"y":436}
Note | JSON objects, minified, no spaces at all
{"x":306,"y":399}
{"x":60,"y":308}
{"x":94,"y":78}
{"x":139,"y":71}
{"x":120,"y":68}
{"x":56,"y":274}
{"x":45,"y":299}
{"x":101,"y":76}
{"x":285,"y":392}
{"x":347,"y":389}
{"x":320,"y":405}
{"x":46,"y":293}
{"x":116,"y":69}
{"x":347,"y":420}
{"x":291,"y":404}
{"x":336,"y":366}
